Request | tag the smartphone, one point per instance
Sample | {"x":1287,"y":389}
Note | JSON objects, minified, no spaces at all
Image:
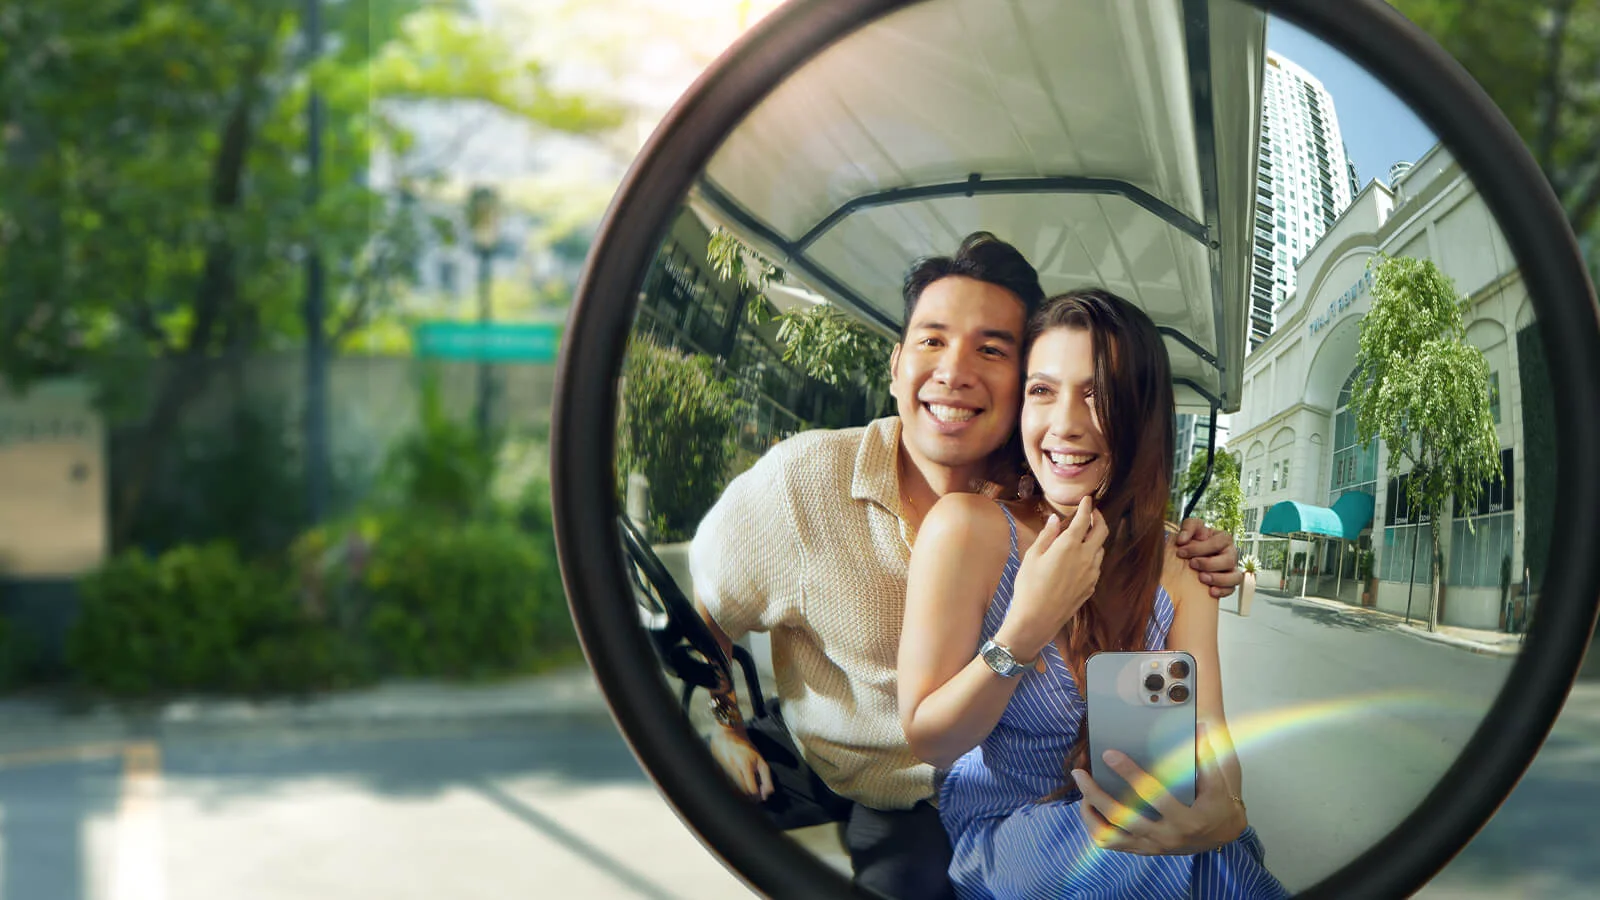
{"x":1142,"y":704}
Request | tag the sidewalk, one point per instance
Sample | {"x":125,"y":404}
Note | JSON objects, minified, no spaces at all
{"x":45,"y":720}
{"x":1494,"y":643}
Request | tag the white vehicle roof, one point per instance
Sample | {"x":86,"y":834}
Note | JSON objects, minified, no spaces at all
{"x":1112,"y":141}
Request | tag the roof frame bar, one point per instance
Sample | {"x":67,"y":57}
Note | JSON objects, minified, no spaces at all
{"x":1049,"y":184}
{"x":1197,"y":44}
{"x":1189,"y":342}
{"x":795,"y":254}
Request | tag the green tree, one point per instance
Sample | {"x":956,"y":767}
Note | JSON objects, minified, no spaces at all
{"x":677,"y":429}
{"x":154,"y":220}
{"x":825,"y":343}
{"x":1424,"y":391}
{"x":1540,"y":62}
{"x":1221,"y":505}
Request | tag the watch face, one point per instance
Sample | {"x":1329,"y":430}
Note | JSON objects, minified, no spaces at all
{"x":998,"y":659}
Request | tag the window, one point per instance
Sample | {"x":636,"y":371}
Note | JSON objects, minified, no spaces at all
{"x":1355,"y":467}
{"x":1286,"y":474}
{"x":1494,"y":396}
{"x":1274,"y":476}
{"x":1407,"y":538}
{"x":1480,"y":555}
{"x":447,"y":275}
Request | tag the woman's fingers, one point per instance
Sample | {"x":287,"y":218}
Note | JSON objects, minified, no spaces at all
{"x":1114,"y":813}
{"x":1082,"y":520}
{"x":1047,"y":536}
{"x":1149,"y":789}
{"x":1107,"y":836}
{"x":1098,"y":531}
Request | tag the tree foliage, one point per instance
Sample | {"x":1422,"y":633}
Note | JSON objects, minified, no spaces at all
{"x":156,"y":205}
{"x":823,"y":342}
{"x":1540,"y":62}
{"x":1222,"y":504}
{"x":677,"y":430}
{"x":1423,"y":390}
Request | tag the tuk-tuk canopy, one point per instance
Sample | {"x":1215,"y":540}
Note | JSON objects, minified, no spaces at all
{"x":1113,"y":143}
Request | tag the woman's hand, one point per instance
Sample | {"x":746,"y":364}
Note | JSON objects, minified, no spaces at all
{"x":1216,"y":818}
{"x":1058,"y":575}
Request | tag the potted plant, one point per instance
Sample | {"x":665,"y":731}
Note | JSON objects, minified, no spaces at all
{"x":1247,"y":591}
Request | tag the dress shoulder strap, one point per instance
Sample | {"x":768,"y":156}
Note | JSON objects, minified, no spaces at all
{"x":1012,"y":522}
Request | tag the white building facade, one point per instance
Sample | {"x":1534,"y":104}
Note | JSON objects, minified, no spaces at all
{"x":1296,"y":434}
{"x":1303,"y":184}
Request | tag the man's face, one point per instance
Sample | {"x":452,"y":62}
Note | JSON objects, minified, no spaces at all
{"x":956,"y":377}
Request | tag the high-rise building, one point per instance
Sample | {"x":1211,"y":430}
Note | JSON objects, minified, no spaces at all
{"x":1303,"y":183}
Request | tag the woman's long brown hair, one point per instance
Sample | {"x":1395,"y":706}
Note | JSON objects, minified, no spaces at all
{"x":1134,"y":405}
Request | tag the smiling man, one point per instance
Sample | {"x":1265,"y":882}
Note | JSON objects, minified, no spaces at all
{"x":812,"y":545}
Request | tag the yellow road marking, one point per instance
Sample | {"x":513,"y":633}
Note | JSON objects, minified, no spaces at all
{"x":140,"y":872}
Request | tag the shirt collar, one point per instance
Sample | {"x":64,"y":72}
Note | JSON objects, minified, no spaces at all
{"x":877,"y":474}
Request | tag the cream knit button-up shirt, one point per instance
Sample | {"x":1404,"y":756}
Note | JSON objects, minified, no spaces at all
{"x":808,"y":545}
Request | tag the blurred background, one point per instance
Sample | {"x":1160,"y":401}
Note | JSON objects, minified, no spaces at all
{"x":281,"y":288}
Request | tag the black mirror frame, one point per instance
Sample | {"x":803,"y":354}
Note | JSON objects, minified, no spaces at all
{"x":583,"y":448}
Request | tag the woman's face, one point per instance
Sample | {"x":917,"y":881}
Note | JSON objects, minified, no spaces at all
{"x":1061,"y":433}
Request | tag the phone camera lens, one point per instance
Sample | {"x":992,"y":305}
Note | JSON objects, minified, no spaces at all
{"x":1153,"y":682}
{"x":1179,"y":669}
{"x":1178,"y":693}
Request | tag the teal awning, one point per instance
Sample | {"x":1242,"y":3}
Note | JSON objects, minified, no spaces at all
{"x":1350,"y":514}
{"x":1291,"y":518}
{"x":1354,"y":509}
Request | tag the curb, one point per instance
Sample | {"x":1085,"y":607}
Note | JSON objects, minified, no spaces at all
{"x":570,"y":691}
{"x":1509,"y":648}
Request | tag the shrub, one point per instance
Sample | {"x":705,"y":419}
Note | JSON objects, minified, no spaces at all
{"x":444,"y":467}
{"x":467,"y":601}
{"x":677,"y":429}
{"x":197,"y":618}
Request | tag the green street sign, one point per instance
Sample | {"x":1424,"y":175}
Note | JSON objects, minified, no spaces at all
{"x":526,"y":342}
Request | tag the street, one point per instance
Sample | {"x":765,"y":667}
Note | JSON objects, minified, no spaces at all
{"x":1341,"y":727}
{"x":492,"y":809}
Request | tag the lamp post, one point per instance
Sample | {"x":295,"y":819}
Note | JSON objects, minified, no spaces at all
{"x":483,"y":218}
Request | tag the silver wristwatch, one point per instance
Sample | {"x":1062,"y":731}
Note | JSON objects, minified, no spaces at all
{"x":1001,"y":661}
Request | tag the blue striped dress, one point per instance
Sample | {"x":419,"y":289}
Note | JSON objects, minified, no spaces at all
{"x":1009,"y":846}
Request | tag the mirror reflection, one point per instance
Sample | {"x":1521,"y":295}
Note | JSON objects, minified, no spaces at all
{"x":965,"y":270}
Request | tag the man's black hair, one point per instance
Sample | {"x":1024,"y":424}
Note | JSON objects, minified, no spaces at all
{"x":981,"y":256}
